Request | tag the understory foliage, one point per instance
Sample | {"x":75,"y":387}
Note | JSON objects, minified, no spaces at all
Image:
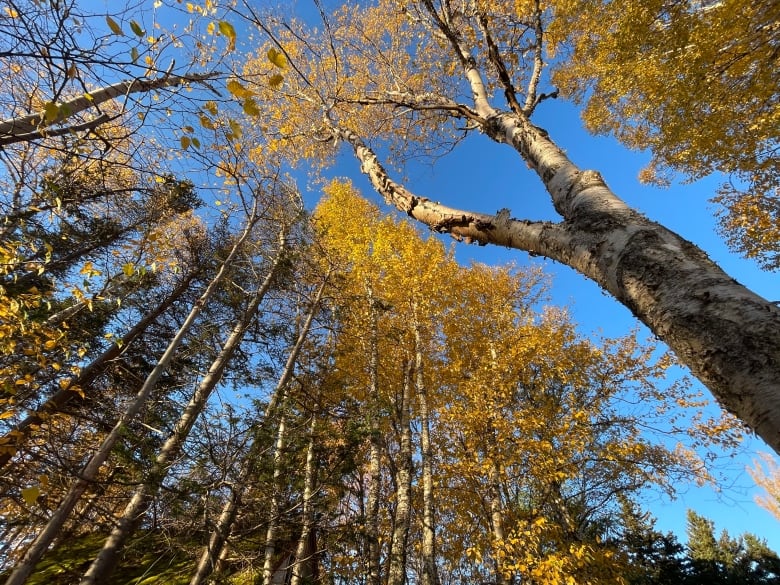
{"x":201,"y":381}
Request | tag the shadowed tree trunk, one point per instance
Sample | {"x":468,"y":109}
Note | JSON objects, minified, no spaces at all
{"x":224,"y":524}
{"x":102,"y":567}
{"x":90,"y":471}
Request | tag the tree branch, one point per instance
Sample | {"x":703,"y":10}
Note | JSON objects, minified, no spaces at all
{"x":34,"y":126}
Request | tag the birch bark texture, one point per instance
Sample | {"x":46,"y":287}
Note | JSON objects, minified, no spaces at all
{"x":727,"y":335}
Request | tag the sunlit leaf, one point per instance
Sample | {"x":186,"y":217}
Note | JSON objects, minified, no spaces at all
{"x":250,"y":107}
{"x":276,"y":80}
{"x":227,"y":29}
{"x":30,"y":495}
{"x":277,"y":58}
{"x":238,"y":90}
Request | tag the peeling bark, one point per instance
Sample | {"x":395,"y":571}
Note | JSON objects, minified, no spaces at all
{"x":727,"y":335}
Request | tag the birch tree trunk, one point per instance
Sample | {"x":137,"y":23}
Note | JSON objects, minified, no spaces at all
{"x":374,"y":457}
{"x":727,"y":335}
{"x":213,"y":550}
{"x":305,"y":567}
{"x":21,"y":433}
{"x":90,"y":471}
{"x":430,"y":574}
{"x":103,"y":565}
{"x":496,"y":519}
{"x":274,"y":507}
{"x":396,"y":571}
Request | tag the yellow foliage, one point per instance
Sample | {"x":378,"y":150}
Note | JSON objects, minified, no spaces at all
{"x":694,"y":83}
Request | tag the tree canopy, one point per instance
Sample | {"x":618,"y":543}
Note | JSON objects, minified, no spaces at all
{"x":197,"y":370}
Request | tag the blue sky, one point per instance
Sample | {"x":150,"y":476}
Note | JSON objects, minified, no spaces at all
{"x":481,"y":175}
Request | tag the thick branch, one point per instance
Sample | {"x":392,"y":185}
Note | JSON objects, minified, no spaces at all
{"x":539,"y":237}
{"x":727,"y":335}
{"x":34,"y":126}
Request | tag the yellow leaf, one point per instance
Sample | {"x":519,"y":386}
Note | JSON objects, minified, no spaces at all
{"x":6,"y":414}
{"x":114,"y":26}
{"x":185,"y":142}
{"x":128,"y":269}
{"x":30,"y":495}
{"x":277,"y":58}
{"x":11,"y":12}
{"x":275,"y":81}
{"x":250,"y":107}
{"x":51,"y":111}
{"x":227,"y":29}
{"x":238,"y":90}
{"x":206,"y":122}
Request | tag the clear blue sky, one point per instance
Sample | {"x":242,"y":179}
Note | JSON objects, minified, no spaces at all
{"x":481,"y":175}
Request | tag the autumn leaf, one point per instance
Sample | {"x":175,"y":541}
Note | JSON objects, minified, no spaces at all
{"x":227,"y":29}
{"x":30,"y":495}
{"x":136,"y":28}
{"x":277,"y":58}
{"x":275,"y":81}
{"x":114,"y":26}
{"x":238,"y":90}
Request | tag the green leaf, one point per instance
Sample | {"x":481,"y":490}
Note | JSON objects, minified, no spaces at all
{"x":227,"y":29}
{"x":134,"y":54}
{"x":30,"y":495}
{"x":195,"y":142}
{"x":136,"y":28}
{"x":277,"y":58}
{"x":275,"y":81}
{"x":114,"y":26}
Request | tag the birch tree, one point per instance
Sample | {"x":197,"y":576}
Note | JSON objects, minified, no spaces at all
{"x":364,"y":80}
{"x":96,"y":461}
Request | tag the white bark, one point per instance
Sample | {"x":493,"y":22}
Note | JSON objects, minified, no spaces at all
{"x":305,"y":553}
{"x":430,"y":574}
{"x":92,"y":468}
{"x":224,"y":524}
{"x":396,"y":570}
{"x":727,"y":335}
{"x":106,"y":559}
{"x":274,"y":508}
{"x":374,"y":452}
{"x":34,"y":126}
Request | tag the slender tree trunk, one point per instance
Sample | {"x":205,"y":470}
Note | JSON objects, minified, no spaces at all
{"x":105,"y":562}
{"x":396,"y":572}
{"x":90,"y":471}
{"x":496,"y":517}
{"x":274,"y":507}
{"x":727,"y":335}
{"x":430,"y":574}
{"x":374,"y":457}
{"x":305,"y":568}
{"x":21,"y":433}
{"x":224,"y":524}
